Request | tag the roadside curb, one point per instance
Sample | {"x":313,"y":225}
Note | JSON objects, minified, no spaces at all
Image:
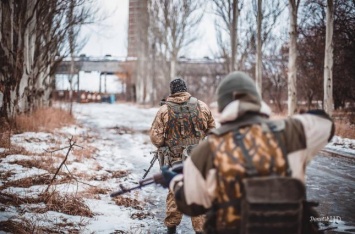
{"x":336,"y":153}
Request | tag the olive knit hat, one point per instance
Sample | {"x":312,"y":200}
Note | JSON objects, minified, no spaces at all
{"x":236,"y":85}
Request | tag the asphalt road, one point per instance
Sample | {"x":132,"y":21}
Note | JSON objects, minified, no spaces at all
{"x":331,"y":182}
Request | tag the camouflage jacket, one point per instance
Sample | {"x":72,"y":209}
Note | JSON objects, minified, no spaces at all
{"x":301,"y":135}
{"x":159,"y":125}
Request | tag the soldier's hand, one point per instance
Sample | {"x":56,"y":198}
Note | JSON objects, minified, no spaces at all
{"x":168,"y":175}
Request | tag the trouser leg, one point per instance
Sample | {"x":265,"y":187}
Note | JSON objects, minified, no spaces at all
{"x":173,"y":215}
{"x":198,"y":222}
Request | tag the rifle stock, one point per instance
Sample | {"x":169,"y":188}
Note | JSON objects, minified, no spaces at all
{"x":155,"y":179}
{"x":155,"y":157}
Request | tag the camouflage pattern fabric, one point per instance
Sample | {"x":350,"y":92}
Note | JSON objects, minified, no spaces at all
{"x":159,"y":129}
{"x":184,"y":124}
{"x":164,"y":132}
{"x":174,"y":216}
{"x":267,"y":158}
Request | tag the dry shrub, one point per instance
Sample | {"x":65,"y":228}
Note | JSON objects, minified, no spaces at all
{"x":93,"y":192}
{"x":5,"y":134}
{"x":14,"y":150}
{"x":29,"y":181}
{"x":5,"y":175}
{"x":83,"y":153}
{"x":10,"y":199}
{"x":345,"y":129}
{"x":344,"y":123}
{"x":45,"y":163}
{"x":128,"y":202}
{"x":23,"y":227}
{"x":98,"y":190}
{"x":119,"y":174}
{"x":140,"y":215}
{"x":68,"y":204}
{"x":43,"y":119}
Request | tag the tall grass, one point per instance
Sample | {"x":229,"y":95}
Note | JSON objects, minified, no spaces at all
{"x":43,"y":119}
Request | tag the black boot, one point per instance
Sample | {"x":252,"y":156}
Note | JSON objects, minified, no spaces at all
{"x":199,"y":232}
{"x":171,"y":230}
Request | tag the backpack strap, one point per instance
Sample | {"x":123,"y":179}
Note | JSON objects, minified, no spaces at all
{"x":276,"y":128}
{"x":193,"y":106}
{"x":250,"y":169}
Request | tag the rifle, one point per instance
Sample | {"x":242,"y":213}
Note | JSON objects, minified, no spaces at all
{"x":155,"y":157}
{"x":156,"y":178}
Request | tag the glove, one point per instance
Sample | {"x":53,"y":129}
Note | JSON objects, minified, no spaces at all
{"x":168,"y":175}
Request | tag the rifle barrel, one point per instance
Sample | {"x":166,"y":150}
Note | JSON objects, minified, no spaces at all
{"x":142,"y":183}
{"x":157,"y":179}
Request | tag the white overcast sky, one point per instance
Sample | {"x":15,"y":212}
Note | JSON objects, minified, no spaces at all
{"x":110,"y":35}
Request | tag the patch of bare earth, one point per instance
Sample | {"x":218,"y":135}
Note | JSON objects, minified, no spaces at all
{"x":128,"y":202}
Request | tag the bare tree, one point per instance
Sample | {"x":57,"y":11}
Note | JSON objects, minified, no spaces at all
{"x":175,"y":25}
{"x":76,"y":12}
{"x":166,"y":27}
{"x":328,"y":60}
{"x":228,"y":12}
{"x":267,"y":13}
{"x":34,"y":34}
{"x":258,"y":65}
{"x":292,"y":62}
{"x":275,"y":70}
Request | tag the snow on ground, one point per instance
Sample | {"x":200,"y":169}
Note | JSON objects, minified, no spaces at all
{"x":115,"y":150}
{"x":344,"y":145}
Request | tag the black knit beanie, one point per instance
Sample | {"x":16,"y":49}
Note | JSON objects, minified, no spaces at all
{"x":177,"y":85}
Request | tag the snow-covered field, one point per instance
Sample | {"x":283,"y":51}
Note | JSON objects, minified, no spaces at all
{"x":111,"y":148}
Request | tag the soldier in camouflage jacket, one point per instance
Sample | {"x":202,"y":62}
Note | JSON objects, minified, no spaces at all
{"x":176,"y":131}
{"x":214,"y":163}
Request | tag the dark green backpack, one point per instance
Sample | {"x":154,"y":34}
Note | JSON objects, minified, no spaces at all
{"x":183,"y":127}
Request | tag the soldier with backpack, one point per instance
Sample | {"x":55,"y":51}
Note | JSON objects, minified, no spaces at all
{"x":180,"y":124}
{"x":249,"y":174}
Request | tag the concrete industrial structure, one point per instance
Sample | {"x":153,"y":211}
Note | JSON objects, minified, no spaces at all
{"x":133,"y":69}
